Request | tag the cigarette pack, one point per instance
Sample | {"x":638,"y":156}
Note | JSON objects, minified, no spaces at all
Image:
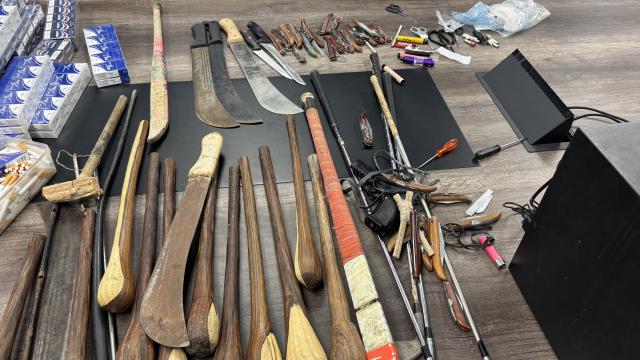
{"x":61,"y":21}
{"x":59,"y":50}
{"x":105,"y":55}
{"x":9,"y":22}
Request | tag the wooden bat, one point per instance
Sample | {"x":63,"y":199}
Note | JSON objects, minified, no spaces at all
{"x":302,"y":342}
{"x":230,"y":345}
{"x":262,"y":342}
{"x":75,"y":344}
{"x":136,"y":345}
{"x":345,"y":340}
{"x":203,"y":324}
{"x":116,"y":290}
{"x":376,"y":334}
{"x":19,"y":294}
{"x":159,"y":106}
{"x":307,"y":265}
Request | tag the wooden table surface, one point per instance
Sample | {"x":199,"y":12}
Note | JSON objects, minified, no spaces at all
{"x":586,"y":50}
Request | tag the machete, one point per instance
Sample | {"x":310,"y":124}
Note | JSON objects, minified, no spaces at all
{"x":208,"y":108}
{"x":268,"y":96}
{"x":162,"y":309}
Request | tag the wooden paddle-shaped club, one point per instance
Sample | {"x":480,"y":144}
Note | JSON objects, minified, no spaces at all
{"x":162,"y":310}
{"x":230,"y":345}
{"x":116,"y":290}
{"x":262,"y":342}
{"x":302,"y":342}
{"x":346,"y":343}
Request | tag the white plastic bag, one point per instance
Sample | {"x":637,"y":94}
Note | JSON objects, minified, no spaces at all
{"x":506,"y":18}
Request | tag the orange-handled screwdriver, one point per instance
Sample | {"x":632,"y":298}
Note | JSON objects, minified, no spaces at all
{"x":448,"y":147}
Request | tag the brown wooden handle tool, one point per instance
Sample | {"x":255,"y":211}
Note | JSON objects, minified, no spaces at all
{"x":488,"y":217}
{"x":345,"y":340}
{"x":230,"y":345}
{"x":116,"y":291}
{"x":307,"y":265}
{"x":136,"y":345}
{"x":262,"y":341}
{"x":19,"y":294}
{"x":302,"y":342}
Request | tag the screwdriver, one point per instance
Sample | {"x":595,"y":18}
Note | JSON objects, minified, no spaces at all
{"x":491,"y":150}
{"x":448,"y":147}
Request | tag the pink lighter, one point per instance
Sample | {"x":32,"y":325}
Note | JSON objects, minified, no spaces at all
{"x":491,"y":251}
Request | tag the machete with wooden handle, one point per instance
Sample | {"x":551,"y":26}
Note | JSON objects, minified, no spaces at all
{"x":230,"y":345}
{"x":116,"y":290}
{"x":345,"y":340}
{"x":136,"y":345}
{"x":302,"y":342}
{"x":262,"y":342}
{"x":162,"y":311}
{"x":159,"y":99}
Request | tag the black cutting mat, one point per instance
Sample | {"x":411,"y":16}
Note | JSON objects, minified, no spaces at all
{"x":424,"y":121}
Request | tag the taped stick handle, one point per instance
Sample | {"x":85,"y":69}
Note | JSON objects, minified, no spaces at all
{"x":383,"y":105}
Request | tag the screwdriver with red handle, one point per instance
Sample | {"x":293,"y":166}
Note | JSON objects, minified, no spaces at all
{"x":448,"y":147}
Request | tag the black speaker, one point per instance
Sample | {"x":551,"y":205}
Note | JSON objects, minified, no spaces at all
{"x":579,"y":261}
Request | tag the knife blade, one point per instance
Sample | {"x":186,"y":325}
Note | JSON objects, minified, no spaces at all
{"x":208,"y":108}
{"x":221,"y":83}
{"x":259,"y":52}
{"x":265,"y":41}
{"x":268,"y":96}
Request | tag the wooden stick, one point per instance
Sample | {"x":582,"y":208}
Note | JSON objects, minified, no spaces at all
{"x":159,"y":108}
{"x":230,"y":345}
{"x":116,"y":291}
{"x":302,"y":342}
{"x":307,"y":265}
{"x":19,"y":294}
{"x":262,"y":342}
{"x":345,"y":340}
{"x":75,"y":344}
{"x":203,"y":324}
{"x":136,"y":344}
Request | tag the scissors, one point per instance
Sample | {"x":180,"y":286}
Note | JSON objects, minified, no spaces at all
{"x":396,"y":9}
{"x":420,"y":31}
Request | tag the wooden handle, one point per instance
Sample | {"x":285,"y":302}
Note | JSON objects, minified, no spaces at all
{"x":209,"y":156}
{"x":159,"y":99}
{"x":203,"y":324}
{"x":116,"y":290}
{"x":75,"y":345}
{"x":230,"y":28}
{"x":345,"y":339}
{"x":302,"y":342}
{"x":262,"y":342}
{"x":230,"y":345}
{"x":103,"y":140}
{"x":136,"y":344}
{"x":383,"y":104}
{"x":307,"y":265}
{"x":487,"y":218}
{"x":434,"y":237}
{"x":415,"y":243}
{"x":427,"y":251}
{"x":454,"y":307}
{"x":19,"y":294}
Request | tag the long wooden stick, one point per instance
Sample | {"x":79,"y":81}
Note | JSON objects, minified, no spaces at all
{"x":75,"y":344}
{"x":19,"y":294}
{"x":116,"y":291}
{"x":230,"y":345}
{"x":262,"y":342}
{"x":159,"y":108}
{"x":306,"y":263}
{"x":136,"y":345}
{"x":302,"y":342}
{"x":345,"y":340}
{"x":376,"y":334}
{"x":203,"y":324}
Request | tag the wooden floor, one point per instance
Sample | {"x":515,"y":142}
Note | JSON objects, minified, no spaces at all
{"x":588,"y":52}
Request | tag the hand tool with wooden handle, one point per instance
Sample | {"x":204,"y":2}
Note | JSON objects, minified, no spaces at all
{"x":267,"y":43}
{"x":136,"y":345}
{"x":307,"y":265}
{"x":116,"y":291}
{"x":262,"y":341}
{"x":345,"y":339}
{"x":162,"y":311}
{"x":159,"y":98}
{"x":203,"y":324}
{"x":478,"y":220}
{"x":230,"y":345}
{"x":75,"y":344}
{"x":19,"y":294}
{"x":302,"y":342}
{"x":86,"y":185}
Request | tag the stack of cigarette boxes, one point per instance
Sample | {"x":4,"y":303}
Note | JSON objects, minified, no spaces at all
{"x":21,"y":89}
{"x":26,"y":35}
{"x":59,"y":50}
{"x":107,"y":61}
{"x":60,"y":97}
{"x":9,"y":23}
{"x":62,"y":20}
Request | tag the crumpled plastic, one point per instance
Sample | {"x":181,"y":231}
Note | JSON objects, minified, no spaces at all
{"x":506,"y":18}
